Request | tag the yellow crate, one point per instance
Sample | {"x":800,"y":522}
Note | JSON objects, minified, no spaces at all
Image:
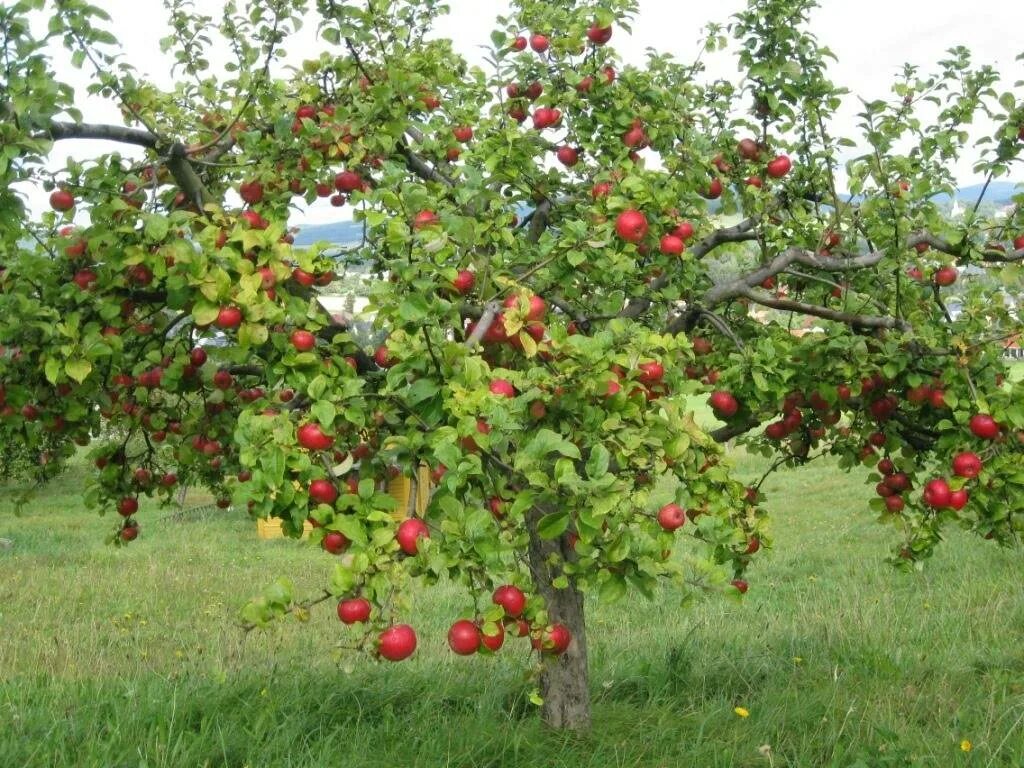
{"x":399,"y":489}
{"x":271,"y":528}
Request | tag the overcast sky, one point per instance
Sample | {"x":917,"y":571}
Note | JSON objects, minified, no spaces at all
{"x":872,"y":39}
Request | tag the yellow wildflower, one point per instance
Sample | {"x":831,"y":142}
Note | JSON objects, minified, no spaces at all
{"x":742,"y":712}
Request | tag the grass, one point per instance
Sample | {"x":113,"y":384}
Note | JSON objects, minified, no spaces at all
{"x":132,"y":657}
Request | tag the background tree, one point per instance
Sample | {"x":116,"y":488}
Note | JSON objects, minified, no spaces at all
{"x":569,"y":252}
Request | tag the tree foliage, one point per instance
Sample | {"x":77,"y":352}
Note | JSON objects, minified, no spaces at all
{"x":569,"y":252}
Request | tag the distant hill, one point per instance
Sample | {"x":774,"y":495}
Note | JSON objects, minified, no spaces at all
{"x":350,"y":232}
{"x":998,"y":193}
{"x":339,"y":232}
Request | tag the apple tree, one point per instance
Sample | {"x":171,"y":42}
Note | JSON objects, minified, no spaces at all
{"x":572,"y":256}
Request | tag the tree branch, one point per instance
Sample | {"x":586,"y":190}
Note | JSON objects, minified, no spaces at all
{"x":786,"y":305}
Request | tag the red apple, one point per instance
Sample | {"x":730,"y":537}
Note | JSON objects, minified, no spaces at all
{"x":937,"y":493}
{"x":354,"y":611}
{"x":945,"y":276}
{"x":651,"y":372}
{"x":464,"y":281}
{"x":568,"y":156}
{"x":408,"y":534}
{"x":229,"y":317}
{"x":425,"y":219}
{"x":684,"y":231}
{"x":502,"y":388}
{"x":127,"y":506}
{"x":312,"y":438}
{"x":723,"y":404}
{"x":397,"y":642}
{"x":984,"y":426}
{"x":599,"y":35}
{"x":335,"y":542}
{"x":631,"y":225}
{"x":251,"y":191}
{"x":62,"y":200}
{"x":495,"y":641}
{"x":671,"y":517}
{"x":778,"y":167}
{"x":967,"y":464}
{"x":539,"y":43}
{"x":348,"y":181}
{"x":464,"y":637}
{"x":323,"y":492}
{"x":740,"y":585}
{"x":302,"y":340}
{"x":519,"y":44}
{"x":672,"y":245}
{"x":511,"y":598}
{"x":382,"y":356}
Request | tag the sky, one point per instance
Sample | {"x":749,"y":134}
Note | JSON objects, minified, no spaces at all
{"x":872,"y":39}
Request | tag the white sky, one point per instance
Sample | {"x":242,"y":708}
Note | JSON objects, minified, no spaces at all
{"x":872,"y":39}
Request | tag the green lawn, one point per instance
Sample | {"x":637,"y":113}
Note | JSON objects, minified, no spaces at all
{"x":132,"y":657}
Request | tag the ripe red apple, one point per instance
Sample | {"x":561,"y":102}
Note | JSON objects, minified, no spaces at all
{"x":723,"y":404}
{"x":251,"y":191}
{"x":303,"y":278}
{"x":62,"y":200}
{"x":967,"y":464}
{"x":539,"y":43}
{"x":464,"y":637}
{"x":1018,"y":241}
{"x":684,"y":231}
{"x":511,"y":598}
{"x":748,"y":149}
{"x":129,"y":533}
{"x":631,"y":225}
{"x":778,"y":167}
{"x":223,"y":380}
{"x":740,"y":585}
{"x":714,"y":190}
{"x":229,"y":317}
{"x":671,"y":245}
{"x":601,"y":189}
{"x":555,"y":641}
{"x":495,"y":641}
{"x":895,"y":504}
{"x":408,"y":535}
{"x":945,"y":276}
{"x":651,"y":372}
{"x":323,"y":492}
{"x":348,"y":181}
{"x":753,"y":546}
{"x":464,"y":281}
{"x":519,"y":44}
{"x":127,"y":506}
{"x":599,"y":35}
{"x":425,"y":219}
{"x":502,"y":388}
{"x":254,"y":219}
{"x":382,"y":356}
{"x":568,"y":156}
{"x":335,"y":542}
{"x":397,"y":642}
{"x":84,"y":278}
{"x":671,"y":517}
{"x":958,"y":499}
{"x":312,"y":438}
{"x":635,"y":138}
{"x":984,"y":426}
{"x":354,"y":611}
{"x":937,"y":493}
{"x":462,"y":133}
{"x":534,"y":90}
{"x":302,"y":340}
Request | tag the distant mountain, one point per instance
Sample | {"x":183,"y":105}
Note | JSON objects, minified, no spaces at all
{"x":338,"y":232}
{"x":998,"y":193}
{"x":350,"y":232}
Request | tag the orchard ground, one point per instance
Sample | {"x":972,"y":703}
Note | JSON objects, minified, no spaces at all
{"x":132,"y":657}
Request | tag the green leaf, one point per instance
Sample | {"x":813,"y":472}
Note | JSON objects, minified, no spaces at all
{"x":553,"y":525}
{"x":78,"y":369}
{"x":324,"y":412}
{"x":597,"y":464}
{"x":156,"y":227}
{"x":52,"y":370}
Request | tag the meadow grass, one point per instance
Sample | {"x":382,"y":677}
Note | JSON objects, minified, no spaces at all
{"x":133,"y":656}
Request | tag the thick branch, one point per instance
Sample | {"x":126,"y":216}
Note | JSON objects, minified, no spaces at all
{"x":787,"y":305}
{"x":118,"y":133}
{"x":738,"y":287}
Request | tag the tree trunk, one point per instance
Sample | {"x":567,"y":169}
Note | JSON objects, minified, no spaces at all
{"x":564,"y":682}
